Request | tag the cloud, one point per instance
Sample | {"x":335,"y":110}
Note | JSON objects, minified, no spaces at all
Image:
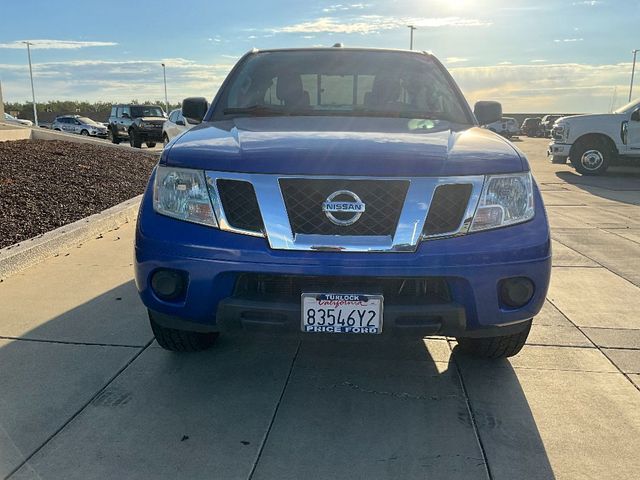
{"x":568,"y":40}
{"x":368,"y":24}
{"x":113,"y":80}
{"x":450,"y":60}
{"x":538,"y":60}
{"x":56,"y":44}
{"x":567,"y":88}
{"x":588,"y":3}
{"x":345,"y":7}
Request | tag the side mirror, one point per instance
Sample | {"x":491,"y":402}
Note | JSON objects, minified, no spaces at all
{"x":180,"y":122}
{"x":487,"y":112}
{"x":635,"y":116}
{"x":194,"y":109}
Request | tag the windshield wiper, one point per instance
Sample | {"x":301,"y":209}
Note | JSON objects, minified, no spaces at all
{"x":254,"y":110}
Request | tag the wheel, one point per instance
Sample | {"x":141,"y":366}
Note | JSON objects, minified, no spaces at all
{"x":84,"y":133}
{"x":113,"y":136}
{"x":151,"y":144}
{"x":495,"y":347}
{"x":134,"y":141}
{"x":181,"y":340}
{"x":165,"y":139}
{"x":591,"y":157}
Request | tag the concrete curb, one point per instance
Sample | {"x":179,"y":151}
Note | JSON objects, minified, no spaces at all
{"x":15,"y":258}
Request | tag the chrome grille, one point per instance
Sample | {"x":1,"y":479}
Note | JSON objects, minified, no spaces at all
{"x":240,"y":205}
{"x":447,"y":209}
{"x":260,"y":205}
{"x":383,"y":200}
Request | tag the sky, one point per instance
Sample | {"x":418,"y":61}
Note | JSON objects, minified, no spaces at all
{"x":570,"y":56}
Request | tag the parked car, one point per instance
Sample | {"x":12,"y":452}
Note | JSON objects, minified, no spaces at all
{"x":594,"y":142}
{"x":17,"y":121}
{"x":531,"y":127}
{"x":174,"y":126}
{"x":346,"y":192}
{"x":506,"y":126}
{"x":137,"y":123}
{"x":80,"y":125}
{"x":547,"y":123}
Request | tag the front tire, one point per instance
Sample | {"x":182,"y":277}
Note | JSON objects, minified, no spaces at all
{"x":84,"y":133}
{"x":591,"y":157}
{"x":134,"y":141}
{"x":113,"y":136}
{"x":495,"y":347}
{"x":181,"y":340}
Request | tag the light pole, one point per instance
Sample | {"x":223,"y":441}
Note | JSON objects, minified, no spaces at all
{"x":412,"y":28}
{"x":166,"y":99}
{"x":33,"y":92}
{"x":633,"y":70}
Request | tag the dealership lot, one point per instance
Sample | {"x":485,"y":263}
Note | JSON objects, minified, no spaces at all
{"x":87,"y":394}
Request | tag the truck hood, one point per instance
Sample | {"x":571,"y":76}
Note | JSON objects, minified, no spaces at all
{"x":353,"y":146}
{"x":594,"y":117}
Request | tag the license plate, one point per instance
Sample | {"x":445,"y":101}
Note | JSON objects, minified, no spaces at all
{"x":341,"y":313}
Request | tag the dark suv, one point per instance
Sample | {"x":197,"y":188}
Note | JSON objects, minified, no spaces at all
{"x":139,"y":123}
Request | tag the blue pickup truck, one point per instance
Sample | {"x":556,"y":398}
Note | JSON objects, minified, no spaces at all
{"x":340,"y":191}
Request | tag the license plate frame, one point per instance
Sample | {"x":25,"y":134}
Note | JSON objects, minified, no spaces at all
{"x":347,"y":312}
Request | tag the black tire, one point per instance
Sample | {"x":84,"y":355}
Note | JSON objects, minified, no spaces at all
{"x":495,"y":347}
{"x":134,"y":141}
{"x":181,"y":340}
{"x":151,"y":144}
{"x":84,"y":133}
{"x":113,"y":136}
{"x":591,"y":157}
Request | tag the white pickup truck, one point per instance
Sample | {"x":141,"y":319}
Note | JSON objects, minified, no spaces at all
{"x":594,"y":142}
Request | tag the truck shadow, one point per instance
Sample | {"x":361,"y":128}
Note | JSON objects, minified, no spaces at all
{"x":278,"y":406}
{"x":620,"y":184}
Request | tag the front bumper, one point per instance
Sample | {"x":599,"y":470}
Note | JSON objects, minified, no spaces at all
{"x":152,"y":135}
{"x":558,"y":149}
{"x":472,"y":266}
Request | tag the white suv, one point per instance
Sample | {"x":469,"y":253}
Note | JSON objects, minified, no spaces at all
{"x":174,"y":126}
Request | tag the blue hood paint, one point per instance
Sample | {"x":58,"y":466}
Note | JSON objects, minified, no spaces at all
{"x":342,"y":146}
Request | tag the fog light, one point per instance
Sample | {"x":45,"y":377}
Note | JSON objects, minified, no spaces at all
{"x":168,"y":284}
{"x":516,"y":292}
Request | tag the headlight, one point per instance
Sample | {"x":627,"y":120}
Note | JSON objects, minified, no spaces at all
{"x":182,"y":193}
{"x":505,"y":200}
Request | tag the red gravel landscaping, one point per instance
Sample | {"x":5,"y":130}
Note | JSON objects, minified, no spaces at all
{"x":46,"y":184}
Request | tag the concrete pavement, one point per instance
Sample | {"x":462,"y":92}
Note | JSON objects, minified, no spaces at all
{"x":85,"y":393}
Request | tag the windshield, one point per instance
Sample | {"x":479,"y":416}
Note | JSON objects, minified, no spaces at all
{"x":365,"y":83}
{"x":146,"y":111}
{"x":87,"y":121}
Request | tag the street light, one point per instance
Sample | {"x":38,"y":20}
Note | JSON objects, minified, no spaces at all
{"x":33,"y":93}
{"x":633,"y":70}
{"x":166,"y":99}
{"x":412,"y":28}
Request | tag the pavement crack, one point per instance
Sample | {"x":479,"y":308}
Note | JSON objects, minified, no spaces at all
{"x":275,"y":413}
{"x":79,"y":411}
{"x":472,"y":416}
{"x":399,"y":395}
{"x":68,"y":342}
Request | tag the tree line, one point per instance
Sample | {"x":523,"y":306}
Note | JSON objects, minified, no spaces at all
{"x":47,"y":111}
